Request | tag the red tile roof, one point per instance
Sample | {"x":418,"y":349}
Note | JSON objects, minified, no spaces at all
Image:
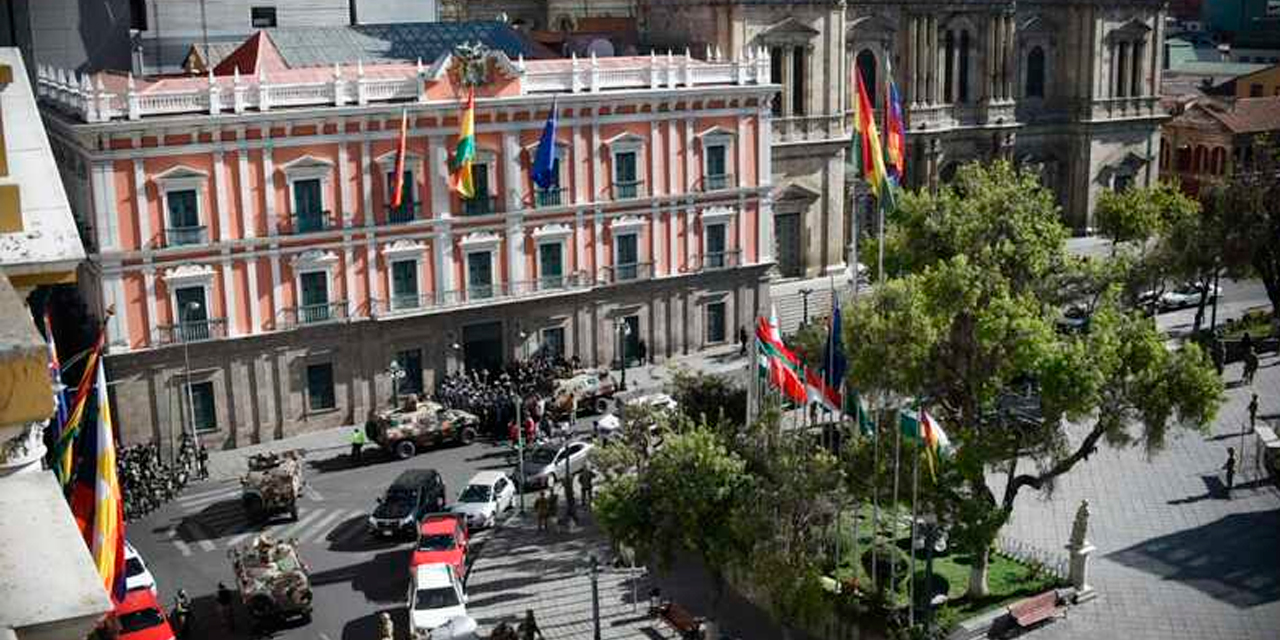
{"x":257,"y":54}
{"x":1250,"y":115}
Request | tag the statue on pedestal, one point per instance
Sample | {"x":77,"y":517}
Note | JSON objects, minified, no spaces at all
{"x":1080,"y":528}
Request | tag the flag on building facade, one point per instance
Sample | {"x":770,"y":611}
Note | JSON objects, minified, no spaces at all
{"x":464,"y":154}
{"x":546,"y":166}
{"x":64,"y":447}
{"x":895,"y":134}
{"x":96,"y":501}
{"x":397,"y":197}
{"x":867,"y":137}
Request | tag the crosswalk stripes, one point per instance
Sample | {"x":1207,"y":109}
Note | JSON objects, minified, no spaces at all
{"x":178,"y":542}
{"x":322,"y":527}
{"x":283,"y":531}
{"x":200,"y":534}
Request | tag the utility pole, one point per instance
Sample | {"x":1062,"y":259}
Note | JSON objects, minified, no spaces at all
{"x":595,"y":597}
{"x":805,"y":294}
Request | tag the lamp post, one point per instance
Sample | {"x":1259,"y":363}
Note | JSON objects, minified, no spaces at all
{"x":624,"y":330}
{"x":520,"y":448}
{"x":457,"y":349}
{"x":524,"y":344}
{"x":397,"y":374}
{"x":183,"y":328}
{"x":804,"y":293}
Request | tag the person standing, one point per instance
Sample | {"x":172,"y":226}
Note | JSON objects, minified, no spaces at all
{"x":1230,"y":468}
{"x":386,"y":627}
{"x":642,"y":352}
{"x":541,"y":508}
{"x":358,"y":441}
{"x":529,"y":627}
{"x":586,"y":482}
{"x":182,"y":614}
{"x":1253,"y":412}
{"x":224,"y":607}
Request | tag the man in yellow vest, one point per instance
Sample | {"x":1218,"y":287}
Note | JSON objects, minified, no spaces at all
{"x":357,"y":443}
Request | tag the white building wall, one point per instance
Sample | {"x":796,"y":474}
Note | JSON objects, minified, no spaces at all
{"x":389,"y":11}
{"x":181,"y":18}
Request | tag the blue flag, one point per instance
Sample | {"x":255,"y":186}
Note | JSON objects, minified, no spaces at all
{"x":834,"y":363}
{"x":546,"y":167}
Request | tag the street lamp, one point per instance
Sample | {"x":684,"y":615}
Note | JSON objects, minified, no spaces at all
{"x":805,"y":294}
{"x":624,"y":330}
{"x":184,"y":326}
{"x":397,"y":374}
{"x":524,"y":345}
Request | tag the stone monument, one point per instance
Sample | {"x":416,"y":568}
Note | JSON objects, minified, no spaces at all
{"x":1080,"y":549}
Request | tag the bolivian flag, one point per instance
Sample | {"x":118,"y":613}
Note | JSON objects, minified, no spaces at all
{"x":867,"y":140}
{"x":465,"y":153}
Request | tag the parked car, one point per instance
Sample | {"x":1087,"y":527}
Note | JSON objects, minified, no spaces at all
{"x":863,"y":275}
{"x":413,"y":495}
{"x":487,"y":495}
{"x":140,"y":617}
{"x":546,"y":463}
{"x":1074,"y":319}
{"x":435,"y":598}
{"x":136,"y":573}
{"x":1186,"y":295}
{"x":442,"y":539}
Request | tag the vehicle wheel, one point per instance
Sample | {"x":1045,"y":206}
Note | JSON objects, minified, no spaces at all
{"x":467,"y":435}
{"x":405,"y":449}
{"x":261,"y":607}
{"x":602,"y":405}
{"x":254,"y":507}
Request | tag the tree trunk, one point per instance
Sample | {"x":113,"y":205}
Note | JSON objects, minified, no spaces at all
{"x":978,"y":587}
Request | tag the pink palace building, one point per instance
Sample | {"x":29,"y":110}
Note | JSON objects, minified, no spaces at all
{"x":241,"y":223}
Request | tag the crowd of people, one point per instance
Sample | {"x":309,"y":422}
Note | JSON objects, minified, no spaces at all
{"x":492,"y":397}
{"x":147,"y":481}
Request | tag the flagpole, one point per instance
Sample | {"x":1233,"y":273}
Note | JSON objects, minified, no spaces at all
{"x":875,"y":491}
{"x":893,"y":525}
{"x":911,"y":578}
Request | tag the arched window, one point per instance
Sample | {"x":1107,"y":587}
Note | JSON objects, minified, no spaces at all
{"x":1164,"y":155}
{"x":964,"y":67}
{"x":948,"y":80}
{"x":867,"y":67}
{"x":1035,"y":73}
{"x":1184,"y":158}
{"x":1201,"y":162}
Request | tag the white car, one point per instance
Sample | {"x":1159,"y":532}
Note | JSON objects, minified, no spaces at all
{"x":1186,"y":295}
{"x":435,"y":598}
{"x":136,"y":573}
{"x":487,"y":495}
{"x":654,"y":400}
{"x":608,"y":427}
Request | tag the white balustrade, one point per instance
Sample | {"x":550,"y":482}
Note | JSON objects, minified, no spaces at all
{"x":92,"y":103}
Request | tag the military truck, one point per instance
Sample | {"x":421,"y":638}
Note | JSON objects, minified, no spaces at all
{"x":273,"y":484}
{"x":417,"y":424}
{"x":274,"y":582}
{"x":591,"y":389}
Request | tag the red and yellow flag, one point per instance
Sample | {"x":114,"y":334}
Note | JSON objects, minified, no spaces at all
{"x":398,"y":197}
{"x":465,"y":153}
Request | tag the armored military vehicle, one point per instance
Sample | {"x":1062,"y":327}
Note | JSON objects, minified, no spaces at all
{"x":273,"y":580}
{"x":591,"y":390}
{"x":416,"y":424}
{"x":273,"y":484}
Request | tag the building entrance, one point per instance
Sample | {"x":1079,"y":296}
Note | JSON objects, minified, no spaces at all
{"x":482,"y":346}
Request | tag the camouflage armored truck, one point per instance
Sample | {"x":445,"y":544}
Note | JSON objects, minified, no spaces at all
{"x":416,"y":424}
{"x":591,"y":389}
{"x":273,"y":580}
{"x":273,"y":484}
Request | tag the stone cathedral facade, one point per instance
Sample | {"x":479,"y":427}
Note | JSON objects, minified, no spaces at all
{"x":1067,"y":87}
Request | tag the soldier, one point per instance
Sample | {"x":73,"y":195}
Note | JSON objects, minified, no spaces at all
{"x":386,"y":628}
{"x":182,"y":614}
{"x":357,"y":443}
{"x":224,"y":607}
{"x":1230,"y":468}
{"x":540,"y":507}
{"x":586,"y":482}
{"x":1253,"y":411}
{"x":529,"y":627}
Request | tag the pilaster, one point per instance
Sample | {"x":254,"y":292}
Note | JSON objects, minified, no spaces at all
{"x":269,"y":189}
{"x":152,"y":320}
{"x":106,"y":224}
{"x":141,"y":210}
{"x":276,"y":296}
{"x":220,"y":192}
{"x":255,"y":298}
{"x":228,"y":307}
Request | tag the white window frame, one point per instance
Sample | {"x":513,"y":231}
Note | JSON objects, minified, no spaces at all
{"x":188,"y":276}
{"x":566,"y":173}
{"x":489,"y":158}
{"x":482,"y":242}
{"x":557,"y":234}
{"x":627,"y":226}
{"x":183,"y":178}
{"x":314,"y":261}
{"x":713,"y":216}
{"x":310,"y":168}
{"x":706,"y":325}
{"x":627,"y":142}
{"x":718,"y":137}
{"x":188,"y":396}
{"x":403,"y":251}
{"x":387,"y":164}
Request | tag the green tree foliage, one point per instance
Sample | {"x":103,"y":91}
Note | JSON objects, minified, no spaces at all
{"x":974,"y":321}
{"x":705,"y":397}
{"x":1249,"y":204}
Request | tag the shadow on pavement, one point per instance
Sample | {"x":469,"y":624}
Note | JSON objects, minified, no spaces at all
{"x":1231,"y":559}
{"x":382,"y":579}
{"x":351,"y":536}
{"x":507,"y":596}
{"x":221,"y":519}
{"x":1213,"y":488}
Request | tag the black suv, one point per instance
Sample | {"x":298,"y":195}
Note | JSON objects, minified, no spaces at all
{"x":414,"y":494}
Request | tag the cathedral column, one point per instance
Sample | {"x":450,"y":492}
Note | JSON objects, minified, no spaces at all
{"x":1002,"y":42}
{"x":912,"y":40}
{"x":788,"y":82}
{"x":935,"y":62}
{"x":1010,"y":44}
{"x":1135,"y":82}
{"x":990,"y":54}
{"x":954,"y":48}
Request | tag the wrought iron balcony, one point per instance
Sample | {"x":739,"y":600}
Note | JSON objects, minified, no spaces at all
{"x":313,"y":314}
{"x":406,"y":212}
{"x":481,"y":205}
{"x":718,"y":182}
{"x":181,"y":236}
{"x":193,"y":331}
{"x":627,"y":189}
{"x":312,"y":222}
{"x":554,"y":197}
{"x":715,"y":260}
{"x":626,"y":272}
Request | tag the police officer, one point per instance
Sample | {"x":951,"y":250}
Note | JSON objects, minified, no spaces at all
{"x":357,"y":444}
{"x":224,"y":606}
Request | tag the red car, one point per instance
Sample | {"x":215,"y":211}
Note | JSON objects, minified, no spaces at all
{"x":140,"y":617}
{"x":442,"y":539}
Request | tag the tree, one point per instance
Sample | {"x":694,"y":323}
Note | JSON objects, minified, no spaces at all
{"x":705,"y":397}
{"x":1249,"y":202}
{"x":972,"y":325}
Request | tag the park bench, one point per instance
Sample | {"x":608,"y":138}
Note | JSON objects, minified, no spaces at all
{"x":1036,"y":609}
{"x":686,"y":624}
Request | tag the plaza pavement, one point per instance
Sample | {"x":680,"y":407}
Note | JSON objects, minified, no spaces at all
{"x":1175,"y":559}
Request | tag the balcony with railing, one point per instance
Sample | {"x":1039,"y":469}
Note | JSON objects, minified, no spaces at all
{"x":627,"y":272}
{"x":183,"y":236}
{"x":313,"y":314}
{"x":481,"y":205}
{"x":718,"y":182}
{"x":405,"y":213}
{"x":311,"y":222}
{"x":555,"y":197}
{"x":628,"y":189}
{"x":715,"y":260}
{"x":192,"y":331}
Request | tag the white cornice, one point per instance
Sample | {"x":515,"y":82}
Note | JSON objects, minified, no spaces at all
{"x":480,"y":240}
{"x":401,"y":249}
{"x":552,"y":231}
{"x":188,"y":273}
{"x":715,"y":214}
{"x":627,"y":223}
{"x":314,"y":258}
